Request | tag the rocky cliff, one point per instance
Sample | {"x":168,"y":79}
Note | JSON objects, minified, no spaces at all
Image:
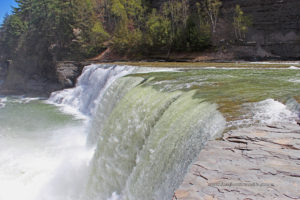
{"x":32,"y":77}
{"x":275,"y":32}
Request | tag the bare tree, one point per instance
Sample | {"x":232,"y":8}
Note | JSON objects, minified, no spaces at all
{"x":177,"y":11}
{"x":241,"y":23}
{"x":212,"y":8}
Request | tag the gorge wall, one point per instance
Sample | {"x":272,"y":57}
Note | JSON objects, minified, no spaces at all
{"x":275,"y":32}
{"x":32,"y":76}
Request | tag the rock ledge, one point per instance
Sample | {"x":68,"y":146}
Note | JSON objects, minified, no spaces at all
{"x":250,"y":163}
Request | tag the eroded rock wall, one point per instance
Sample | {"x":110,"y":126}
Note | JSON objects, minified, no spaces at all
{"x":275,"y":31}
{"x":31,"y":77}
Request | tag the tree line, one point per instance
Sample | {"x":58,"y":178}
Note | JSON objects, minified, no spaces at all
{"x":76,"y":29}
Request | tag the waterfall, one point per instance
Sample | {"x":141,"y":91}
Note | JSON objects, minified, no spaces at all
{"x":94,"y":80}
{"x":145,"y":138}
{"x":109,"y":100}
{"x":92,"y":85}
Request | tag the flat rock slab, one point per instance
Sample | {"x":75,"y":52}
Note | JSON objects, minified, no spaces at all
{"x":248,"y":164}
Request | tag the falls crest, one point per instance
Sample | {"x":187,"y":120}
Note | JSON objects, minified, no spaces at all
{"x":90,"y":87}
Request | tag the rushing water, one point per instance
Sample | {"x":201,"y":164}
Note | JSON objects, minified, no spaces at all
{"x":130,"y":133}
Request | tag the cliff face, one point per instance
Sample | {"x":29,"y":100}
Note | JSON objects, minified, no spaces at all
{"x":275,"y":32}
{"x":26,"y":76}
{"x":30,"y":74}
{"x":276,"y":27}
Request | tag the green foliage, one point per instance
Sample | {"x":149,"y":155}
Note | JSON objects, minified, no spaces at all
{"x":177,"y":13}
{"x":126,"y":39}
{"x":128,"y":17}
{"x":88,"y":33}
{"x":118,"y":9}
{"x":76,"y":29}
{"x":12,"y":30}
{"x":158,"y":31}
{"x":60,"y":28}
{"x":161,"y":31}
{"x":198,"y":34}
{"x":241,"y":23}
{"x":212,"y":9}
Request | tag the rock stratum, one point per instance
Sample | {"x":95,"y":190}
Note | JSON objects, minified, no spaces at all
{"x":275,"y":30}
{"x":274,"y":33}
{"x":250,"y":164}
{"x":29,"y":78}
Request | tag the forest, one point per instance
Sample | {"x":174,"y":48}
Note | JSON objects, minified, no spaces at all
{"x":78,"y":29}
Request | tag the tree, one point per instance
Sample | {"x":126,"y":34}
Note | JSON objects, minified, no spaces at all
{"x":158,"y":30}
{"x":198,"y":33}
{"x":128,"y":20}
{"x":241,"y":23}
{"x":212,"y":8}
{"x":177,"y":13}
{"x":88,"y":32}
{"x":75,"y":29}
{"x":11,"y":31}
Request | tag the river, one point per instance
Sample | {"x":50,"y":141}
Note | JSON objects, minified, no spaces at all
{"x":130,"y":133}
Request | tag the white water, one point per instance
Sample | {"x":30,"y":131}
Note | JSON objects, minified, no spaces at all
{"x":91,"y":85}
{"x":2,"y":102}
{"x":43,"y":153}
{"x":293,"y":67}
{"x":268,"y":112}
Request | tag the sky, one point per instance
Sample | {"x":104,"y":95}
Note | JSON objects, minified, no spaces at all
{"x":5,"y":7}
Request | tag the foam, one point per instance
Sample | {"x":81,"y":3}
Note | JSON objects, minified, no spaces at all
{"x":293,"y":67}
{"x":266,"y":112}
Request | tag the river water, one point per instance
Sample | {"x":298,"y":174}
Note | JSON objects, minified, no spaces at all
{"x":130,"y":133}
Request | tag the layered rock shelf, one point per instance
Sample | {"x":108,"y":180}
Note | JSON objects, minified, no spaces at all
{"x":249,"y":164}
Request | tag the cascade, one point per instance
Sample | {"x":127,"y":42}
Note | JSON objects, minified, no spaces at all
{"x":144,"y":137}
{"x":91,"y":84}
{"x":109,"y":100}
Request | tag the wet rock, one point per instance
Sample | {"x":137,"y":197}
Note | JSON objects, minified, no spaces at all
{"x":68,"y":72}
{"x":250,"y":163}
{"x":27,"y":78}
